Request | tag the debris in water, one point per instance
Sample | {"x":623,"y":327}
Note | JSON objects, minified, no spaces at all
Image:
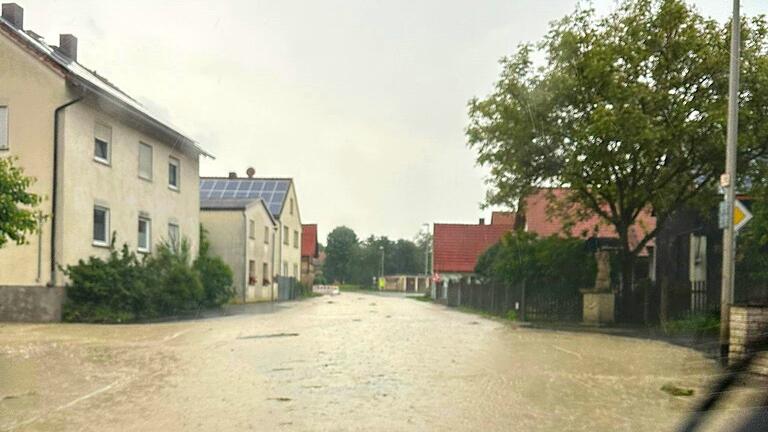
{"x":273,"y":335}
{"x":330,"y":302}
{"x":473,"y":323}
{"x":676,"y":391}
{"x":280,"y":399}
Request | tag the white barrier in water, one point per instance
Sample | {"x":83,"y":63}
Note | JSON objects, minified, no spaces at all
{"x":325,"y":289}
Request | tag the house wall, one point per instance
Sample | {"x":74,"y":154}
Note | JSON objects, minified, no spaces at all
{"x":85,"y":182}
{"x":290,"y":253}
{"x":226,"y":234}
{"x":32,"y":90}
{"x":259,"y":249}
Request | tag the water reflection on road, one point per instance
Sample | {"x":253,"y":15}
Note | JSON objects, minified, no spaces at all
{"x":350,"y":362}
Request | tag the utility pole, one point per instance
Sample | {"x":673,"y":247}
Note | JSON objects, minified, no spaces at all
{"x":728,"y":182}
{"x":381,"y":270}
{"x":426,"y":249}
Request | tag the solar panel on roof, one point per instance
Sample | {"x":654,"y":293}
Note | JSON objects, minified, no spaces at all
{"x":271,"y":191}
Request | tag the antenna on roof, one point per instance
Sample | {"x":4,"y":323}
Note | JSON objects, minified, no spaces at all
{"x":250,"y":172}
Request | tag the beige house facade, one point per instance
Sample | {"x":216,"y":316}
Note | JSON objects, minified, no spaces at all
{"x":278,"y":196}
{"x":243,"y":233}
{"x":108,"y":170}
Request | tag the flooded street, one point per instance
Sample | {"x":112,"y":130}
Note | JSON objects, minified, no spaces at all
{"x":351,"y":362}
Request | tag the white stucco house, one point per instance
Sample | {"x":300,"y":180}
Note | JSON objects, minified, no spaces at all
{"x":104,"y":164}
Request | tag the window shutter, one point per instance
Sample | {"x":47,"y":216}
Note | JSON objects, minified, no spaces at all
{"x":103,"y":133}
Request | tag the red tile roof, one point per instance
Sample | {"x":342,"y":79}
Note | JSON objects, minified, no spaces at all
{"x":309,"y":240}
{"x":538,"y":221}
{"x":457,"y":247}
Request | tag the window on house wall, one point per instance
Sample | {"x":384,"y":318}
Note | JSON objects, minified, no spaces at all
{"x":100,"y":226}
{"x":285,"y":268}
{"x":173,"y":172}
{"x":291,"y":205}
{"x":296,"y":271}
{"x":265,"y":274}
{"x":266,"y":235}
{"x":251,"y":228}
{"x":144,"y":240}
{"x":4,"y":128}
{"x":286,"y":234}
{"x":251,"y":272}
{"x":296,"y":239}
{"x":145,"y":161}
{"x":102,"y":143}
{"x":174,"y":234}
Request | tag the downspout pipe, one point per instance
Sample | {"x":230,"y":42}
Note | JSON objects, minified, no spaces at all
{"x":54,"y":194}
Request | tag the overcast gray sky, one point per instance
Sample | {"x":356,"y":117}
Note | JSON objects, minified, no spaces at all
{"x":363,"y":103}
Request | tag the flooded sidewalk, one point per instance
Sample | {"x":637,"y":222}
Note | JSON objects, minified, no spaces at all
{"x":349,"y":362}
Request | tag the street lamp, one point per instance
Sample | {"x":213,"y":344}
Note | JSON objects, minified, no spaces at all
{"x":381,"y":270}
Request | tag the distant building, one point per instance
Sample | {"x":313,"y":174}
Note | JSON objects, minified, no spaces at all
{"x":279,"y":197}
{"x":310,"y":253}
{"x":103,"y":162}
{"x":406,"y":283}
{"x":243,"y":233}
{"x":457,"y":248}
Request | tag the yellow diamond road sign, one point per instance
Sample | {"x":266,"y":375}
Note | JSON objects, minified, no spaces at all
{"x":740,"y":215}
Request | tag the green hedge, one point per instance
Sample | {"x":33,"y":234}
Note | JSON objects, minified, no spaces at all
{"x":124,"y":288}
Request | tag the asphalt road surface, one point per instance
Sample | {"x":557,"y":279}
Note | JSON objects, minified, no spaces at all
{"x":350,"y":362}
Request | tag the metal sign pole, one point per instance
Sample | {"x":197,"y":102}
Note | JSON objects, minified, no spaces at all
{"x":728,"y":181}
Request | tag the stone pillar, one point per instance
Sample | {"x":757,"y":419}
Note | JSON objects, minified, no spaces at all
{"x":599,"y":302}
{"x":747,"y":323}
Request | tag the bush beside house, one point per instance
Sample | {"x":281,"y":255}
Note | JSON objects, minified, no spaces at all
{"x":124,"y":288}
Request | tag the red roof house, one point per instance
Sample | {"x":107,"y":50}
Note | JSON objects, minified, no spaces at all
{"x":503,"y":218}
{"x":458,"y":246}
{"x":537,"y":219}
{"x":309,"y":241}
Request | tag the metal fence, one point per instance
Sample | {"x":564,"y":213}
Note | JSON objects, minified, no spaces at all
{"x":500,"y":299}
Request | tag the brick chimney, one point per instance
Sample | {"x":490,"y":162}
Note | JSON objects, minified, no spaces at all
{"x":68,"y":46}
{"x":14,"y":14}
{"x":232,"y":175}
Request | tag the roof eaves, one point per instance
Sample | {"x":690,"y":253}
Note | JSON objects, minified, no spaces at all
{"x":99,"y":85}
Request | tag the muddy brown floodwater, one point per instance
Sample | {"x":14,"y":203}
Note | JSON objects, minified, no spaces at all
{"x":350,"y":362}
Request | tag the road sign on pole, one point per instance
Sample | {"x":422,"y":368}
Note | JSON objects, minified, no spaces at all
{"x":740,"y":215}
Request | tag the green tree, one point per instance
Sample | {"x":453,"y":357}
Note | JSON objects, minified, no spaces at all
{"x":18,"y":217}
{"x":215,"y":274}
{"x":628,"y":111}
{"x":340,"y":254}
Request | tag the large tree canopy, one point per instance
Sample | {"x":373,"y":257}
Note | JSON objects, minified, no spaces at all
{"x":17,"y":206}
{"x":628,"y":110}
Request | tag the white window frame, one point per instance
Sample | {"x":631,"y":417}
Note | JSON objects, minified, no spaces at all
{"x":148,"y":247}
{"x":251,"y":229}
{"x":176,"y":162}
{"x":286,"y":236}
{"x":151,"y":161}
{"x":266,"y":235}
{"x":95,"y":241}
{"x":5,"y":126}
{"x":291,"y":205}
{"x":295,"y":239}
{"x":99,"y":159}
{"x":175,"y":242}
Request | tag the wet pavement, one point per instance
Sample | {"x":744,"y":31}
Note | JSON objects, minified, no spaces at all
{"x":350,"y":362}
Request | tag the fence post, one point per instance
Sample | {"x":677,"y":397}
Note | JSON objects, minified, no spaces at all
{"x":522,"y":302}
